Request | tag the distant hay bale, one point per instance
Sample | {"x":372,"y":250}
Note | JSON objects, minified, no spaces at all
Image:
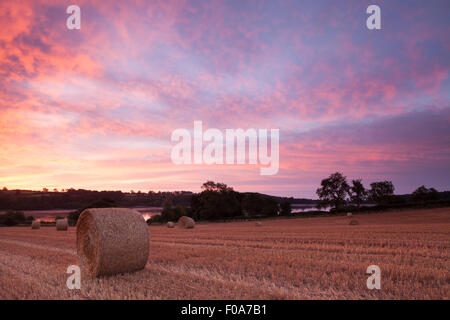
{"x":349,"y":214}
{"x":186,"y":222}
{"x":112,"y":240}
{"x":170,"y":224}
{"x":258,"y":223}
{"x":62,"y":224}
{"x":354,"y":222}
{"x":36,"y":225}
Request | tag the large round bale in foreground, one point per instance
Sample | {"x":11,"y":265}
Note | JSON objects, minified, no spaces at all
{"x":170,"y":224}
{"x":112,"y":240}
{"x":62,"y":225}
{"x":186,"y":222}
{"x":36,"y":225}
{"x":354,"y":222}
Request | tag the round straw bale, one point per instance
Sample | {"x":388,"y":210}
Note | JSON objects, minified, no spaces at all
{"x":62,"y":224}
{"x":354,"y":222}
{"x":349,"y":214}
{"x":36,"y":225}
{"x":186,"y":222}
{"x":258,"y":223}
{"x":112,"y":240}
{"x":170,"y":224}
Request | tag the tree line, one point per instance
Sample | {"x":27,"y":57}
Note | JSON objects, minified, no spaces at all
{"x":217,"y":201}
{"x":75,"y":199}
{"x":337,"y":193}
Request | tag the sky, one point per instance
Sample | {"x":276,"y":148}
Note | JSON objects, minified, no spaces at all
{"x":95,"y":108}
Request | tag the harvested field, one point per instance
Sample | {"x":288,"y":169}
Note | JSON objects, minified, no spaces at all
{"x":311,"y":258}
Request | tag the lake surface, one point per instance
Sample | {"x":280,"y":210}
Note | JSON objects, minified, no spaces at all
{"x":297,"y":208}
{"x":50,"y":215}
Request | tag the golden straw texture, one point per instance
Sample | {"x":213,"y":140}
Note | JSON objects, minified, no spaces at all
{"x":186,"y":222}
{"x":112,"y":240}
{"x":36,"y":225}
{"x":170,"y":224}
{"x":62,"y":225}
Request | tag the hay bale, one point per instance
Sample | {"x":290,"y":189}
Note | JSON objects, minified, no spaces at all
{"x":35,"y":224}
{"x":186,"y":222}
{"x":62,"y":224}
{"x":354,"y":222}
{"x":170,"y":224}
{"x":349,"y":214}
{"x":258,"y":223}
{"x":112,"y":240}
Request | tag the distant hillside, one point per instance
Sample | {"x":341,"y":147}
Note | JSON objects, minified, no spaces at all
{"x":291,"y":200}
{"x":75,"y":199}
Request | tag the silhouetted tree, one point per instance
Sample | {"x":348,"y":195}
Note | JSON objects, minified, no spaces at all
{"x":103,"y":203}
{"x":12,"y":218}
{"x":252,"y":204}
{"x":381,"y":192}
{"x":218,"y":187}
{"x":171,"y":212}
{"x":423,"y":194}
{"x":285,"y":208}
{"x":358,"y":194}
{"x":216,"y":201}
{"x":333,"y":190}
{"x":270,"y":206}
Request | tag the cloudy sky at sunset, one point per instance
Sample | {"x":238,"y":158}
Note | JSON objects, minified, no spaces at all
{"x":95,"y":108}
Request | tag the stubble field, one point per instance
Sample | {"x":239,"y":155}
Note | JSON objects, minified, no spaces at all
{"x":310,"y":258}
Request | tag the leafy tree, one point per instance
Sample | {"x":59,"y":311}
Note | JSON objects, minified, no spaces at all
{"x":17,"y":216}
{"x":178,"y":212}
{"x":30,"y":218}
{"x":170,"y":212}
{"x":155,"y":218}
{"x":381,"y":192}
{"x":103,"y":203}
{"x":8,"y":221}
{"x":285,"y":208}
{"x":333,"y":190}
{"x":12,"y":218}
{"x":252,"y":204}
{"x":358,"y":194}
{"x":216,"y":187}
{"x":270,"y":206}
{"x":167,"y":208}
{"x":216,"y":201}
{"x":423,"y":194}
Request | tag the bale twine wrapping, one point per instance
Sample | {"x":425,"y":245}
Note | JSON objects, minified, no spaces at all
{"x":349,"y":214}
{"x":186,"y":222}
{"x":112,"y":240}
{"x":354,"y":222}
{"x":36,"y":225}
{"x":170,"y":224}
{"x":258,"y":224}
{"x":62,"y":224}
